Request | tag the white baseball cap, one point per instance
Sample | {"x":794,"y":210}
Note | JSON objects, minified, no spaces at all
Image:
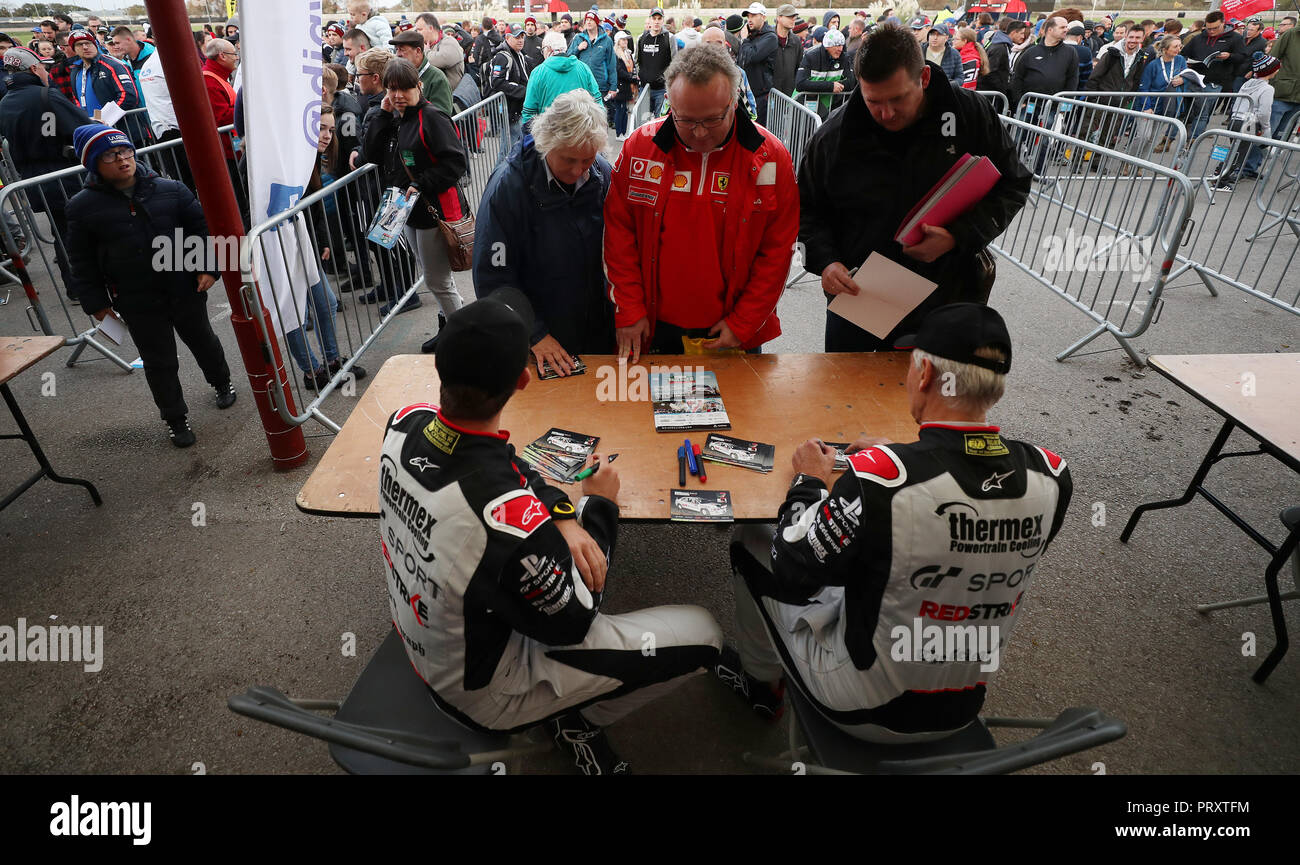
{"x":756,"y":9}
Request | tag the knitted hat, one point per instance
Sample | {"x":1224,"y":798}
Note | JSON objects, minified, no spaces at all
{"x":81,"y":36}
{"x":833,"y":38}
{"x":94,"y":140}
{"x":1262,"y":64}
{"x":734,"y":23}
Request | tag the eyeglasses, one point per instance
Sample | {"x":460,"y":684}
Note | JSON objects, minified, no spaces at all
{"x":118,"y":155}
{"x":710,"y":123}
{"x":231,"y":53}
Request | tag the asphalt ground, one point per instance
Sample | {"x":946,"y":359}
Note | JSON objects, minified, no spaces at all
{"x":264,"y":594}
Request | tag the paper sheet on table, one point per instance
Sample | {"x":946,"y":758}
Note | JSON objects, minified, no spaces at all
{"x":110,"y":114}
{"x":889,"y":292}
{"x":113,"y":328}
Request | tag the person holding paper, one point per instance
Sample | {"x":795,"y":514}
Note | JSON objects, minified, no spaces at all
{"x":946,"y":530}
{"x":876,"y":158}
{"x":700,"y":219}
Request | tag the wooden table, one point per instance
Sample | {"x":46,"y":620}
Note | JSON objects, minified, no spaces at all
{"x":17,"y":354}
{"x":1259,"y":394}
{"x":781,"y":399}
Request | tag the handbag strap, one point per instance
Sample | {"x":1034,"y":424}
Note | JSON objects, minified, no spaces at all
{"x":437,"y":217}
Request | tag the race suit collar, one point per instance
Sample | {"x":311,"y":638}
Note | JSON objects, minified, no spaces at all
{"x":503,"y":435}
{"x":960,"y":426}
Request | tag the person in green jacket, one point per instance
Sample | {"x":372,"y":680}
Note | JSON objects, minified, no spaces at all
{"x":1286,"y":86}
{"x":409,"y":45}
{"x":559,"y":73}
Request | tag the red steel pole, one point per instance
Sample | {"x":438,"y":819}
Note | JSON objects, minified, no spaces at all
{"x":172,"y":32}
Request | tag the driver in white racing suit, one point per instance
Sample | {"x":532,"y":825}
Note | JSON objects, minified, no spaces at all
{"x":888,"y":597}
{"x":494,"y":578}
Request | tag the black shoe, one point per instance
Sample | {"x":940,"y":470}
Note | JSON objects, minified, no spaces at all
{"x":587,"y":743}
{"x":338,"y":307}
{"x":226,"y":395}
{"x":429,"y":346}
{"x":179,"y":431}
{"x":358,"y":371}
{"x":759,"y":696}
{"x":413,"y":302}
{"x":374,"y":295}
{"x":1225,"y":182}
{"x":316,"y":380}
{"x":1249,"y":175}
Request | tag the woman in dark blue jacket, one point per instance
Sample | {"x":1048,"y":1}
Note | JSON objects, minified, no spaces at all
{"x":138,"y":244}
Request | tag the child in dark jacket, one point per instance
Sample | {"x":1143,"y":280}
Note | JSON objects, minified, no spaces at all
{"x":124,"y":228}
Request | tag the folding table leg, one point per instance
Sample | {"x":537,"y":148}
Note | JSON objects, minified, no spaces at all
{"x":47,"y":470}
{"x":1283,"y":555}
{"x":1197,"y":480}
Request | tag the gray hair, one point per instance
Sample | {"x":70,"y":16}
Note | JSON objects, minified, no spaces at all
{"x":574,"y":119}
{"x":554,"y":40}
{"x":216,"y":46}
{"x":700,"y":64}
{"x":1169,"y":40}
{"x":973,"y":387}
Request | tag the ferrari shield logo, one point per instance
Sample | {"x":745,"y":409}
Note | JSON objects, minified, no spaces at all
{"x":721,"y":180}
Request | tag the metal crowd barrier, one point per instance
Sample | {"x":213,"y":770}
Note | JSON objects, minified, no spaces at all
{"x":27,"y":237}
{"x":338,"y":217}
{"x":135,"y":123}
{"x":484,"y":147}
{"x":1146,"y":137}
{"x":1000,"y":101}
{"x":1106,"y":247}
{"x":1247,"y":236}
{"x":640,"y":113}
{"x":792,"y":123}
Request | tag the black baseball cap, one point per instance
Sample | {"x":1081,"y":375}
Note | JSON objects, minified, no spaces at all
{"x":485,"y":344}
{"x":955,"y":331}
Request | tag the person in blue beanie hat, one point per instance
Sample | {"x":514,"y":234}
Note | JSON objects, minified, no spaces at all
{"x":131,"y":238}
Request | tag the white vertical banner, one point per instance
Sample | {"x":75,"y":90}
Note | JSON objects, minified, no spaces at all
{"x":280,"y":44}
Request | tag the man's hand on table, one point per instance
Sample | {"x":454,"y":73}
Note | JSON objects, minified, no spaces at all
{"x":722,"y":337}
{"x":862,"y":443}
{"x":630,"y":339}
{"x":549,"y":350}
{"x":815,"y":459}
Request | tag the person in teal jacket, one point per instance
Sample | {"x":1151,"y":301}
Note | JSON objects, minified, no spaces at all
{"x":594,"y":47}
{"x":558,"y":74}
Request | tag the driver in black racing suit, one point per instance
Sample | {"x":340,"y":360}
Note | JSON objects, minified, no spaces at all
{"x":888,"y":597}
{"x":494,"y":578}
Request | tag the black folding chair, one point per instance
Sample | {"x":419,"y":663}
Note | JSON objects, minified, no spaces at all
{"x":388,"y":724}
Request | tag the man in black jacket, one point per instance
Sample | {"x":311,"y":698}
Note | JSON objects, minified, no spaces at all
{"x":1222,"y":52}
{"x":789,"y":51}
{"x":758,"y":56}
{"x":1118,"y":69}
{"x":654,"y":51}
{"x":890,"y":147}
{"x":509,"y":75}
{"x":36,"y":146}
{"x":1000,"y":42}
{"x":123,"y":235}
{"x":1047,"y":67}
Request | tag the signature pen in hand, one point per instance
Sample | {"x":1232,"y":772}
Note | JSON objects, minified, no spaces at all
{"x":591,"y":470}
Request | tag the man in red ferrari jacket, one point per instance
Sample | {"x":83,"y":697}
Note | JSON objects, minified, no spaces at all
{"x":700,"y":219}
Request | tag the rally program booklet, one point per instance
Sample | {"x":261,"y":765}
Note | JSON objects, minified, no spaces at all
{"x":687,"y":400}
{"x":548,"y":372}
{"x":700,"y":506}
{"x":739,"y":452}
{"x":559,"y":454}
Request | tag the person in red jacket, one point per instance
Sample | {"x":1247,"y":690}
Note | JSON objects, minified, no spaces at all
{"x":700,"y":219}
{"x":222,"y":58}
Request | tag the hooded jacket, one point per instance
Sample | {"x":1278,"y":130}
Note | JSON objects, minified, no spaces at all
{"x":111,"y":243}
{"x":447,"y":56}
{"x":598,"y":54}
{"x":553,"y":243}
{"x":509,"y":75}
{"x":559,"y":74}
{"x":758,"y":59}
{"x":22,"y":123}
{"x":788,"y":59}
{"x":653,"y":54}
{"x":851,"y":160}
{"x":998,"y":48}
{"x":1108,"y":73}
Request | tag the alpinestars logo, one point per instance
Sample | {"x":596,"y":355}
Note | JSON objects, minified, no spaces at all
{"x":422,"y":463}
{"x":995,"y":482}
{"x":584,"y":757}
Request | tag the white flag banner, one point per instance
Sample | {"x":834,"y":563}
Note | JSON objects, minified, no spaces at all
{"x":281,"y":55}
